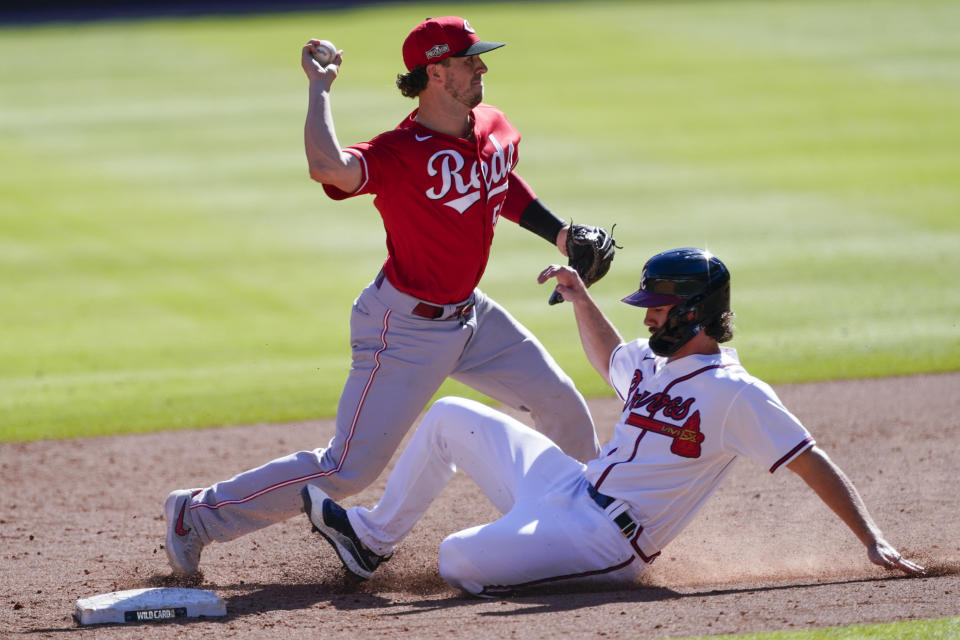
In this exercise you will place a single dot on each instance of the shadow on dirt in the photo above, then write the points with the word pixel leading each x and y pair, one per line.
pixel 347 593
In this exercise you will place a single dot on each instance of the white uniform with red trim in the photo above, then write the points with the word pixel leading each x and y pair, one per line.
pixel 683 425
pixel 419 322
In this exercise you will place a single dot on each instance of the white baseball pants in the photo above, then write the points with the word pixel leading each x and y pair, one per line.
pixel 551 530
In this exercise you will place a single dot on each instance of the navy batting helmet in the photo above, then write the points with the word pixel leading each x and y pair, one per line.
pixel 693 280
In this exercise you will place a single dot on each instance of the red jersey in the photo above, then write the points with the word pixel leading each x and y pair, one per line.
pixel 440 198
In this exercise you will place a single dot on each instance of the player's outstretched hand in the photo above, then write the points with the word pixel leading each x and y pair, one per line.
pixel 315 70
pixel 569 283
pixel 883 554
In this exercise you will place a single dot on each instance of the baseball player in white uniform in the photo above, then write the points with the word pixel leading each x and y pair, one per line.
pixel 690 410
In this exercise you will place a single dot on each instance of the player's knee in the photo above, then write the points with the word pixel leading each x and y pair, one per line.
pixel 444 405
pixel 453 407
pixel 353 477
pixel 456 567
pixel 448 412
pixel 361 479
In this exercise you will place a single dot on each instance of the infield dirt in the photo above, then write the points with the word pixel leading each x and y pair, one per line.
pixel 81 517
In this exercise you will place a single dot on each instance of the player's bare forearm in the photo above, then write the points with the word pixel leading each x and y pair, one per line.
pixel 597 334
pixel 327 162
pixel 837 491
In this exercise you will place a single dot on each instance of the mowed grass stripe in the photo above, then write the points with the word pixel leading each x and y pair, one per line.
pixel 155 212
pixel 943 629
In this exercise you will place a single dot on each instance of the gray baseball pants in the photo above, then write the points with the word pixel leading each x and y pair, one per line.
pixel 399 361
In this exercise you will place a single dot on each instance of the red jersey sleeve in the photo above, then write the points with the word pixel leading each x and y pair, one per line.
pixel 335 193
pixel 519 195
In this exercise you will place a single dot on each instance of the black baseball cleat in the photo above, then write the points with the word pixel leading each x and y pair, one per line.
pixel 330 520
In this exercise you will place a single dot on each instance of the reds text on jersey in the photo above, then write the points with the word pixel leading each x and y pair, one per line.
pixel 440 198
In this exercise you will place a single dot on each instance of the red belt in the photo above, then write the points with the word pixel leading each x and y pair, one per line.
pixel 433 312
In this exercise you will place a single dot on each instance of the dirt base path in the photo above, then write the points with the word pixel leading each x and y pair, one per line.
pixel 82 517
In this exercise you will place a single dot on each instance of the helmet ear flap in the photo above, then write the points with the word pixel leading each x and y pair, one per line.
pixel 688 318
pixel 682 324
pixel 716 303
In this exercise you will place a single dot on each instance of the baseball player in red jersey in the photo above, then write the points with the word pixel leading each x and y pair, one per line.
pixel 441 180
pixel 690 410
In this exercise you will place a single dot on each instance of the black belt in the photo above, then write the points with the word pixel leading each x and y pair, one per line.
pixel 627 524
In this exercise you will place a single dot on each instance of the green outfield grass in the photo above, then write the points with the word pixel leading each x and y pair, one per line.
pixel 165 262
pixel 945 629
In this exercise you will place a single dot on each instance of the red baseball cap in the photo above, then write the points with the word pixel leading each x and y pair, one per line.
pixel 436 39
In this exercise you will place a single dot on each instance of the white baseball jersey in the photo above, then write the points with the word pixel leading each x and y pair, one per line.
pixel 683 424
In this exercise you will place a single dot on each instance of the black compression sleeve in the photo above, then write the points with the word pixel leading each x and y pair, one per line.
pixel 541 221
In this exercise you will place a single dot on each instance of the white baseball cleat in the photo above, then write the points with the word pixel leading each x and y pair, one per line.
pixel 183 544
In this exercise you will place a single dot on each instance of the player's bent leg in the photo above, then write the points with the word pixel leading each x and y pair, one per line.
pixel 507 362
pixel 560 411
pixel 397 367
pixel 421 472
pixel 389 384
pixel 458 569
pixel 271 493
pixel 559 539
pixel 505 458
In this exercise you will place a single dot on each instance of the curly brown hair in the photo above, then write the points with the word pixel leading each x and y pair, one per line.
pixel 412 82
pixel 720 327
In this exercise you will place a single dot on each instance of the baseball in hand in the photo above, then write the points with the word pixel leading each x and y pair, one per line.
pixel 326 52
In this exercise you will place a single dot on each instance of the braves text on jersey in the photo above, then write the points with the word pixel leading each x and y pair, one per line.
pixel 683 424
